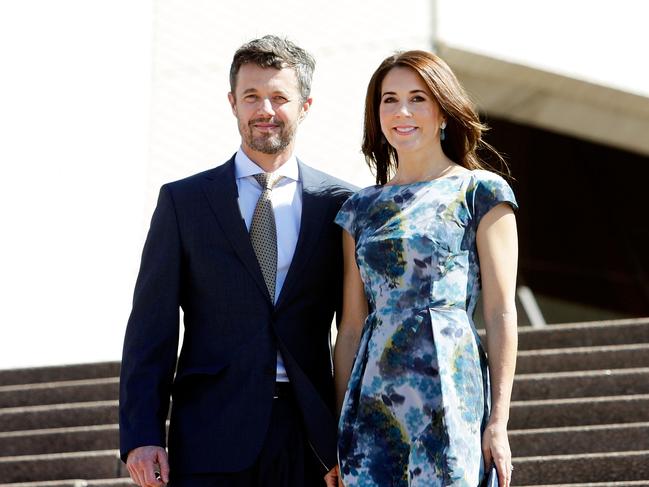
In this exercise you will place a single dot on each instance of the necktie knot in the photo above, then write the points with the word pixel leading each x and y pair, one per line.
pixel 267 179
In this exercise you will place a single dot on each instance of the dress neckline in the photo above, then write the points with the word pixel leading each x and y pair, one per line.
pixel 416 183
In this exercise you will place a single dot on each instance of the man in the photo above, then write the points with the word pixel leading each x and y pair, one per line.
pixel 250 252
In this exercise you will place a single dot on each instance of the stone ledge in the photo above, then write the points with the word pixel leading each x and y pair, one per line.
pixel 583 358
pixel 61 466
pixel 58 415
pixel 121 482
pixel 589 467
pixel 591 383
pixel 59 373
pixel 59 440
pixel 580 439
pixel 59 392
pixel 552 413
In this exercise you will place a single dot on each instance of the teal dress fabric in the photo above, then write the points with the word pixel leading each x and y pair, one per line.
pixel 418 397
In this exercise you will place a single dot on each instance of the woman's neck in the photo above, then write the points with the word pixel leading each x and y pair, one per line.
pixel 422 166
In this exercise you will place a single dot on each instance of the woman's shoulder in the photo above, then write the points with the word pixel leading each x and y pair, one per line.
pixel 485 176
pixel 363 193
pixel 488 188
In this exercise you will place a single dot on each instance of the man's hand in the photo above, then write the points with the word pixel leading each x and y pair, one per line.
pixel 144 462
pixel 333 479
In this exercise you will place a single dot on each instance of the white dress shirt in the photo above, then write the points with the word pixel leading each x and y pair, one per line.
pixel 286 198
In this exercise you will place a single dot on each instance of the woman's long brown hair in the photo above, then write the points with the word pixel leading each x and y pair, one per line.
pixel 463 126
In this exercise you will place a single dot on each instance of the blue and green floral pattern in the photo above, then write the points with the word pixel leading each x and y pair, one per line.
pixel 418 396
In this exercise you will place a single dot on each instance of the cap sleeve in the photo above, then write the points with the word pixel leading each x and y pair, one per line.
pixel 489 190
pixel 346 216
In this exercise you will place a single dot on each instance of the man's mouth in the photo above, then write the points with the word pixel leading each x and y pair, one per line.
pixel 264 126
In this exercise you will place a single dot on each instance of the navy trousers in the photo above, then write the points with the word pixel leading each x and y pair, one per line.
pixel 286 458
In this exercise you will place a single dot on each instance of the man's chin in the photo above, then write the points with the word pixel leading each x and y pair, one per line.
pixel 271 150
pixel 268 147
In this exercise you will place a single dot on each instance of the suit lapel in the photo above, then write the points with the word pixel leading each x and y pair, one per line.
pixel 220 188
pixel 314 208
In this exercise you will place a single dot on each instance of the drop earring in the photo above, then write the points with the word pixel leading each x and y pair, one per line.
pixel 442 133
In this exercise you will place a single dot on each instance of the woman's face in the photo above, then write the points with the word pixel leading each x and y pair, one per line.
pixel 410 116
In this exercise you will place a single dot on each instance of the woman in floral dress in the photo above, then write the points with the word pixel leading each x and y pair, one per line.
pixel 419 405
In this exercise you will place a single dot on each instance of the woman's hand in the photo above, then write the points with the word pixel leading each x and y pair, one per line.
pixel 496 451
pixel 333 478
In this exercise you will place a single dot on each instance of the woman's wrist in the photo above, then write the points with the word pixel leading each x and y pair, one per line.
pixel 497 422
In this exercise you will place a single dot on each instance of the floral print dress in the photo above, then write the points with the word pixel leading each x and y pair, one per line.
pixel 418 397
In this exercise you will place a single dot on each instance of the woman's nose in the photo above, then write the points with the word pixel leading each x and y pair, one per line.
pixel 403 110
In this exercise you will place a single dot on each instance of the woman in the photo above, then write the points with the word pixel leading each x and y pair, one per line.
pixel 418 247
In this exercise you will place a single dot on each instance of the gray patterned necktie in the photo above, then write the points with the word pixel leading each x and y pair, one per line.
pixel 263 233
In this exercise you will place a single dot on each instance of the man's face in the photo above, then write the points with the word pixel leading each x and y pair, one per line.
pixel 268 107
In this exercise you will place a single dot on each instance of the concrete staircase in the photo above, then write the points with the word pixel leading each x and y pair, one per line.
pixel 580 410
pixel 580 414
pixel 58 427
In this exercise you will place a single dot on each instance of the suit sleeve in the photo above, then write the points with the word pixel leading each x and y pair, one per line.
pixel 151 340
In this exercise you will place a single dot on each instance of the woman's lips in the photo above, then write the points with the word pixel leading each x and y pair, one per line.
pixel 405 130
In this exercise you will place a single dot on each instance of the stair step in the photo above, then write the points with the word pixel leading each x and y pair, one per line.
pixel 551 413
pixel 581 383
pixel 58 415
pixel 60 466
pixel 630 483
pixel 583 358
pixel 121 482
pixel 59 373
pixel 580 439
pixel 59 392
pixel 591 467
pixel 59 440
pixel 615 332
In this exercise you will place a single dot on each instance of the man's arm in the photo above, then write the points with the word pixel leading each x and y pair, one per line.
pixel 151 342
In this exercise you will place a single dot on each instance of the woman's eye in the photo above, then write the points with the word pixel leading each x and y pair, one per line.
pixel 418 98
pixel 389 99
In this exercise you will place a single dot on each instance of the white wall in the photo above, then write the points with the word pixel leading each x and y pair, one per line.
pixel 74 119
pixel 193 127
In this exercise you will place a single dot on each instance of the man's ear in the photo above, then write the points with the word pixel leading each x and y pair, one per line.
pixel 305 108
pixel 233 103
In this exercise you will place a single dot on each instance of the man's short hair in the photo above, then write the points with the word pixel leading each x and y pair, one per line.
pixel 275 52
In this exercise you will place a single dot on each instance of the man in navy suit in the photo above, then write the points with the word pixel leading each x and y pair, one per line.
pixel 252 389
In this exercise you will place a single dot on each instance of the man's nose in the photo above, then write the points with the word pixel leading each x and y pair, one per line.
pixel 266 107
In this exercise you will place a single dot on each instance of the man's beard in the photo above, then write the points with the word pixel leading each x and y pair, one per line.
pixel 270 143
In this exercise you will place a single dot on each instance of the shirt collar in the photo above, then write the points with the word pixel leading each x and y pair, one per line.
pixel 244 167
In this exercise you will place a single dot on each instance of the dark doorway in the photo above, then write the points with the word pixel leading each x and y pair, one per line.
pixel 583 223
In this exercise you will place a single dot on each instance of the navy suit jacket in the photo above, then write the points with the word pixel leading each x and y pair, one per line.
pixel 198 257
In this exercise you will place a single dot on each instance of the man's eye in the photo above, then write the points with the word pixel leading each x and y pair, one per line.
pixel 279 99
pixel 250 98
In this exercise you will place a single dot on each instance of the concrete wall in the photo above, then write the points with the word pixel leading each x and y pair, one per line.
pixel 575 67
